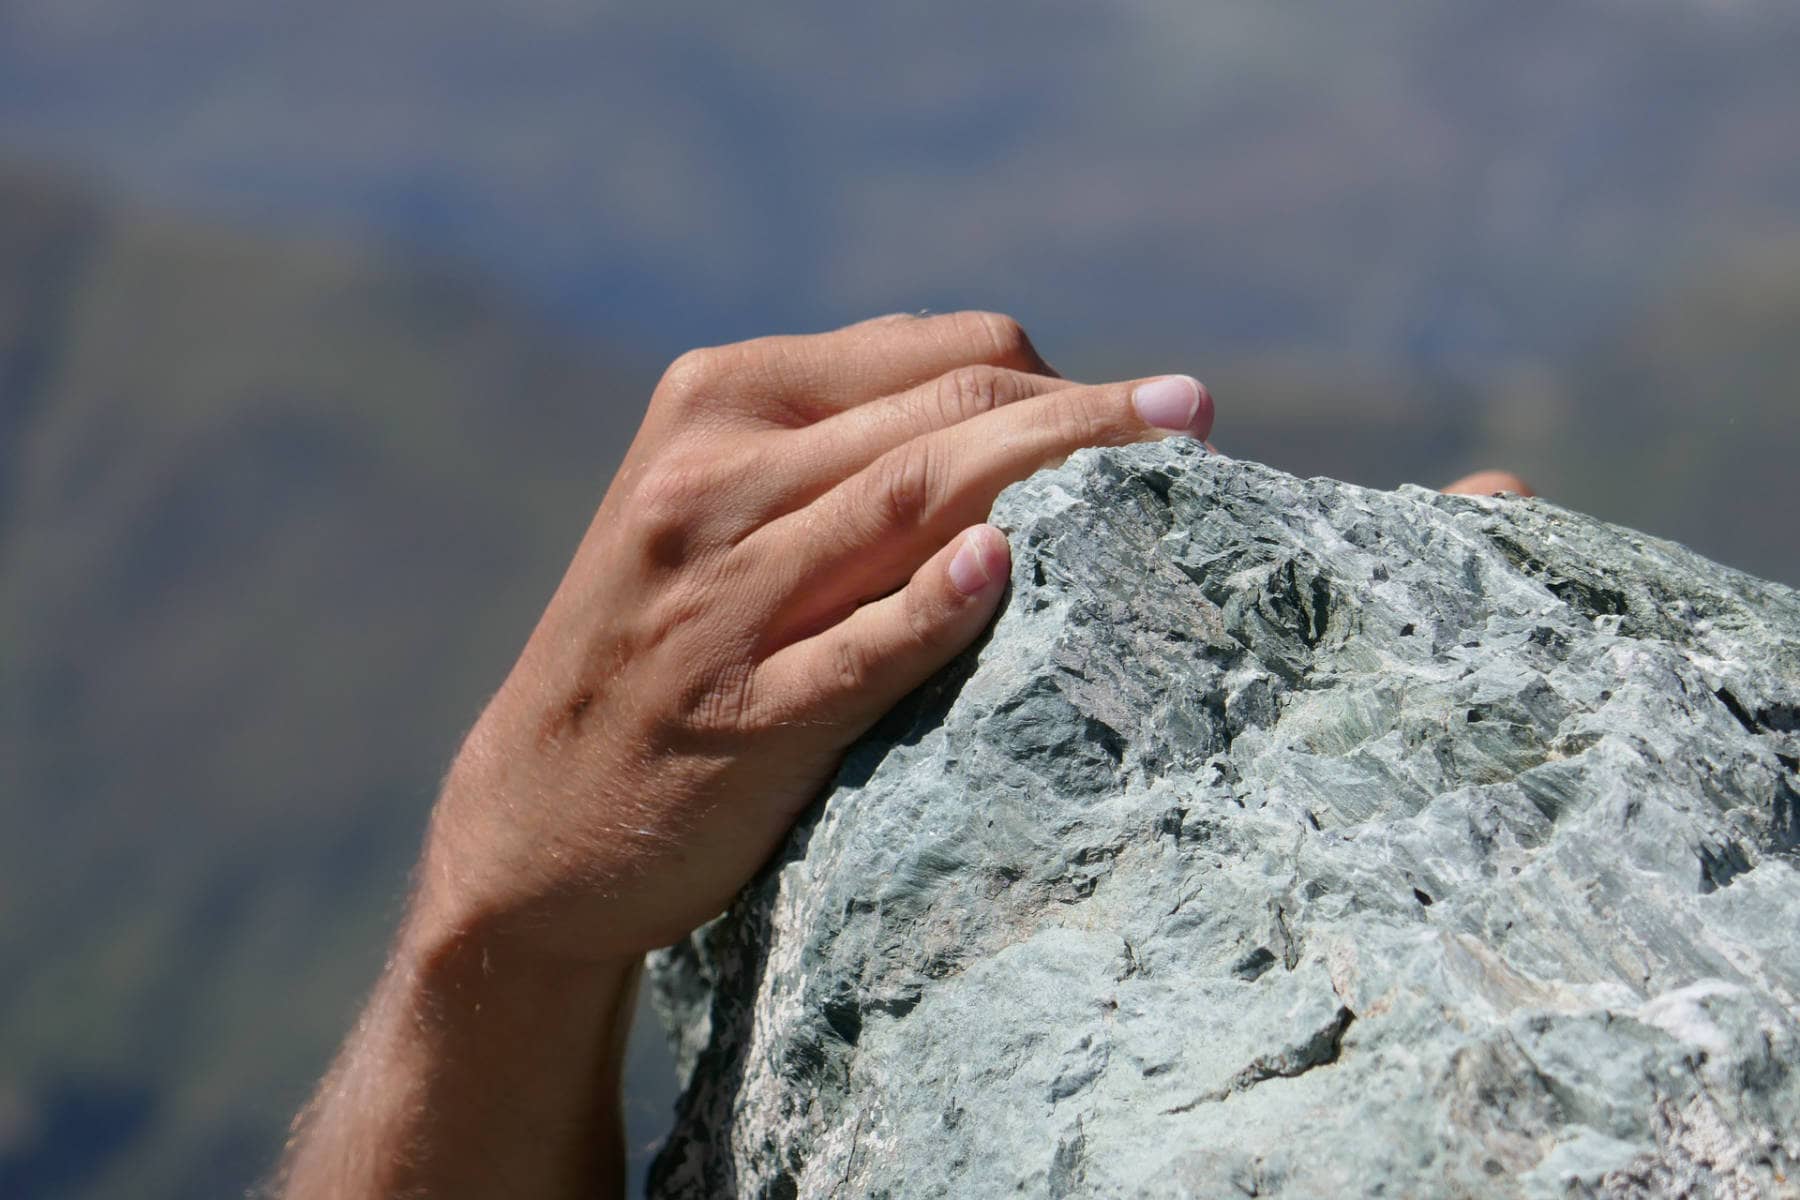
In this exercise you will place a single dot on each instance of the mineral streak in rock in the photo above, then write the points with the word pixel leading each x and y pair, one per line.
pixel 1285 838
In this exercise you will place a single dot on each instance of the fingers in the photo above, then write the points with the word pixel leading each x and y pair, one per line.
pixel 834 449
pixel 793 381
pixel 892 354
pixel 1489 483
pixel 855 671
pixel 864 536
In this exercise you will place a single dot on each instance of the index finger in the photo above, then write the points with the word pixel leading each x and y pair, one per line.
pixel 815 376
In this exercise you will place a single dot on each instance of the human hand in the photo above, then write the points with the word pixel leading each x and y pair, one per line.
pixel 1489 483
pixel 791 545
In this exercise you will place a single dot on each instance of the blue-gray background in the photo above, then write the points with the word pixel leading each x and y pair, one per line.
pixel 322 326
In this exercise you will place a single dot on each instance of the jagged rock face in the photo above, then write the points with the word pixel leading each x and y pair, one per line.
pixel 1285 838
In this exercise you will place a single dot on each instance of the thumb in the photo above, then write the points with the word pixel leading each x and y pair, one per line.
pixel 854 672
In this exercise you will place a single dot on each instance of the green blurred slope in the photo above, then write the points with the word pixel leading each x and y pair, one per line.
pixel 275 518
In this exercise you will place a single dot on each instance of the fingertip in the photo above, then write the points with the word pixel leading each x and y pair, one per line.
pixel 1176 403
pixel 1490 483
pixel 981 562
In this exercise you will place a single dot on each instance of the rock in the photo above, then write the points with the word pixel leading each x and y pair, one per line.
pixel 1285 838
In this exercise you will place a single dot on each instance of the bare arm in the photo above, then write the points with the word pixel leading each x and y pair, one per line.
pixel 792 544
pixel 473 1071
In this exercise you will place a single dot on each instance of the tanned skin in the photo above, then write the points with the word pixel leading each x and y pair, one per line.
pixel 794 541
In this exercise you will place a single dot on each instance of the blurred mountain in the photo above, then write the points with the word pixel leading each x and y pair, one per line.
pixel 1679 417
pixel 275 518
pixel 1685 420
pixel 276 513
pixel 1398 182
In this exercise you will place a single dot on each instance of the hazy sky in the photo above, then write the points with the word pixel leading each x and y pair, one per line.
pixel 1479 178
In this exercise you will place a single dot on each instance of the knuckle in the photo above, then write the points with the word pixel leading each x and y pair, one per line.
pixel 675 485
pixel 1079 422
pixel 907 484
pixel 709 693
pixel 761 713
pixel 669 502
pixel 1004 337
pixel 921 615
pixel 970 391
pixel 725 705
pixel 693 375
pixel 849 666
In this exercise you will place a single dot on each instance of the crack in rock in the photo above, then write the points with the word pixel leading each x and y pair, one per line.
pixel 1319 1050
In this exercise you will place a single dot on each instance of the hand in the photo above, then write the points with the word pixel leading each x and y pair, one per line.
pixel 1489 483
pixel 790 546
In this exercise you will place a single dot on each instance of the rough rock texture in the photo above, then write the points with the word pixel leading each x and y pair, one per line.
pixel 1286 838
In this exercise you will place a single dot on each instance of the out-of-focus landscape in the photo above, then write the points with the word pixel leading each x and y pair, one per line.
pixel 322 327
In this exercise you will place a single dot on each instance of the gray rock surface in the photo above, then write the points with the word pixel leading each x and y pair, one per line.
pixel 1285 838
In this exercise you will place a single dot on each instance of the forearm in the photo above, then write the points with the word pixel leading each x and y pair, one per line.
pixel 476 1070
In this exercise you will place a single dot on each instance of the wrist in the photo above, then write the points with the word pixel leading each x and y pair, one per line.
pixel 480 972
pixel 503 866
pixel 492 876
pixel 454 958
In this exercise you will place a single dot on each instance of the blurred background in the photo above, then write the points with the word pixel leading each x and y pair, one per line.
pixel 322 327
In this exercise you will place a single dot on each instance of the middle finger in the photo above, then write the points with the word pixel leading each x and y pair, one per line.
pixel 819 457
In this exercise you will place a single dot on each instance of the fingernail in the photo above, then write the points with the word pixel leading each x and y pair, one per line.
pixel 973 565
pixel 1171 402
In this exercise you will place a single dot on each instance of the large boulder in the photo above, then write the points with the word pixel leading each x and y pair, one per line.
pixel 1285 838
